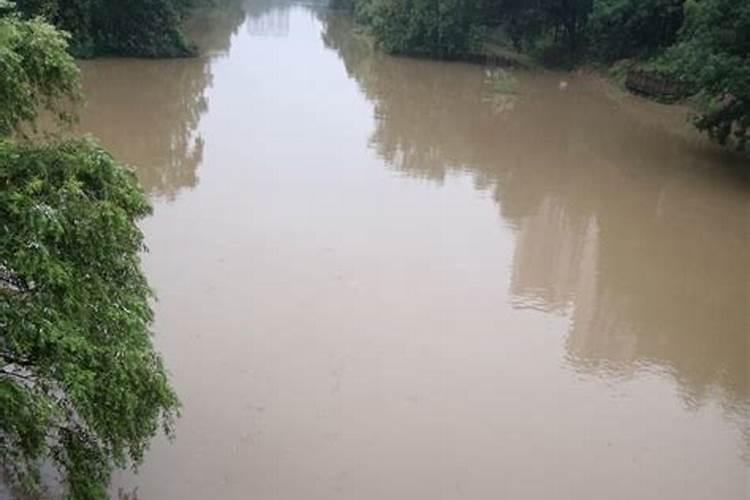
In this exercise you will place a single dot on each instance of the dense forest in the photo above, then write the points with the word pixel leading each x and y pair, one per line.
pixel 143 28
pixel 701 48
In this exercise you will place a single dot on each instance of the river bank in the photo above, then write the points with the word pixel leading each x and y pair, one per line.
pixel 673 39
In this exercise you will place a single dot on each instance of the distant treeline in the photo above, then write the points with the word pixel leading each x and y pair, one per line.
pixel 701 45
pixel 142 28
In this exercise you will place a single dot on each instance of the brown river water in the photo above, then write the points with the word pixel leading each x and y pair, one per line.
pixel 382 278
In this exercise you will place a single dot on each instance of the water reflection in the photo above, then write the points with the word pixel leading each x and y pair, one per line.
pixel 211 29
pixel 156 125
pixel 271 18
pixel 268 18
pixel 626 221
pixel 157 105
pixel 123 494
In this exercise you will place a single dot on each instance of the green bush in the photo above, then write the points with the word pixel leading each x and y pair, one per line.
pixel 143 28
pixel 446 29
pixel 81 386
pixel 712 56
pixel 621 29
pixel 35 72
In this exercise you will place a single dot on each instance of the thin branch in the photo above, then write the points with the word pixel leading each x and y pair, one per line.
pixel 25 377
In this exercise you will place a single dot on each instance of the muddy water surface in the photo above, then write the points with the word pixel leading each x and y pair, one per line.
pixel 381 278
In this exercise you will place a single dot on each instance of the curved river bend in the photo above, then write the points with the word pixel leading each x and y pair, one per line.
pixel 380 278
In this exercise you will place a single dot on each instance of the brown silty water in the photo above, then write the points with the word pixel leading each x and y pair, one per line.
pixel 387 278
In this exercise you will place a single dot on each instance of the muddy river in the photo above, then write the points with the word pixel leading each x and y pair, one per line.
pixel 387 278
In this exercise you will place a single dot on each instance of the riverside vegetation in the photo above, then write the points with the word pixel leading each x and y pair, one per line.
pixel 703 46
pixel 81 387
pixel 142 28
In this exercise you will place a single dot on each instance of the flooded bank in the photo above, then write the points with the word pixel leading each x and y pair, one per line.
pixel 390 278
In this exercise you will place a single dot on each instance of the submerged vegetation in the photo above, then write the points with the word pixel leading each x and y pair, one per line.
pixel 701 47
pixel 81 387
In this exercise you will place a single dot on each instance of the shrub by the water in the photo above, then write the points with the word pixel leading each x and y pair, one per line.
pixel 702 46
pixel 81 385
pixel 143 28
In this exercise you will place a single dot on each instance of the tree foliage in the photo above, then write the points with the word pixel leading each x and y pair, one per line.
pixel 438 28
pixel 144 28
pixel 80 382
pixel 712 56
pixel 35 71
pixel 81 386
pixel 702 44
pixel 629 28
